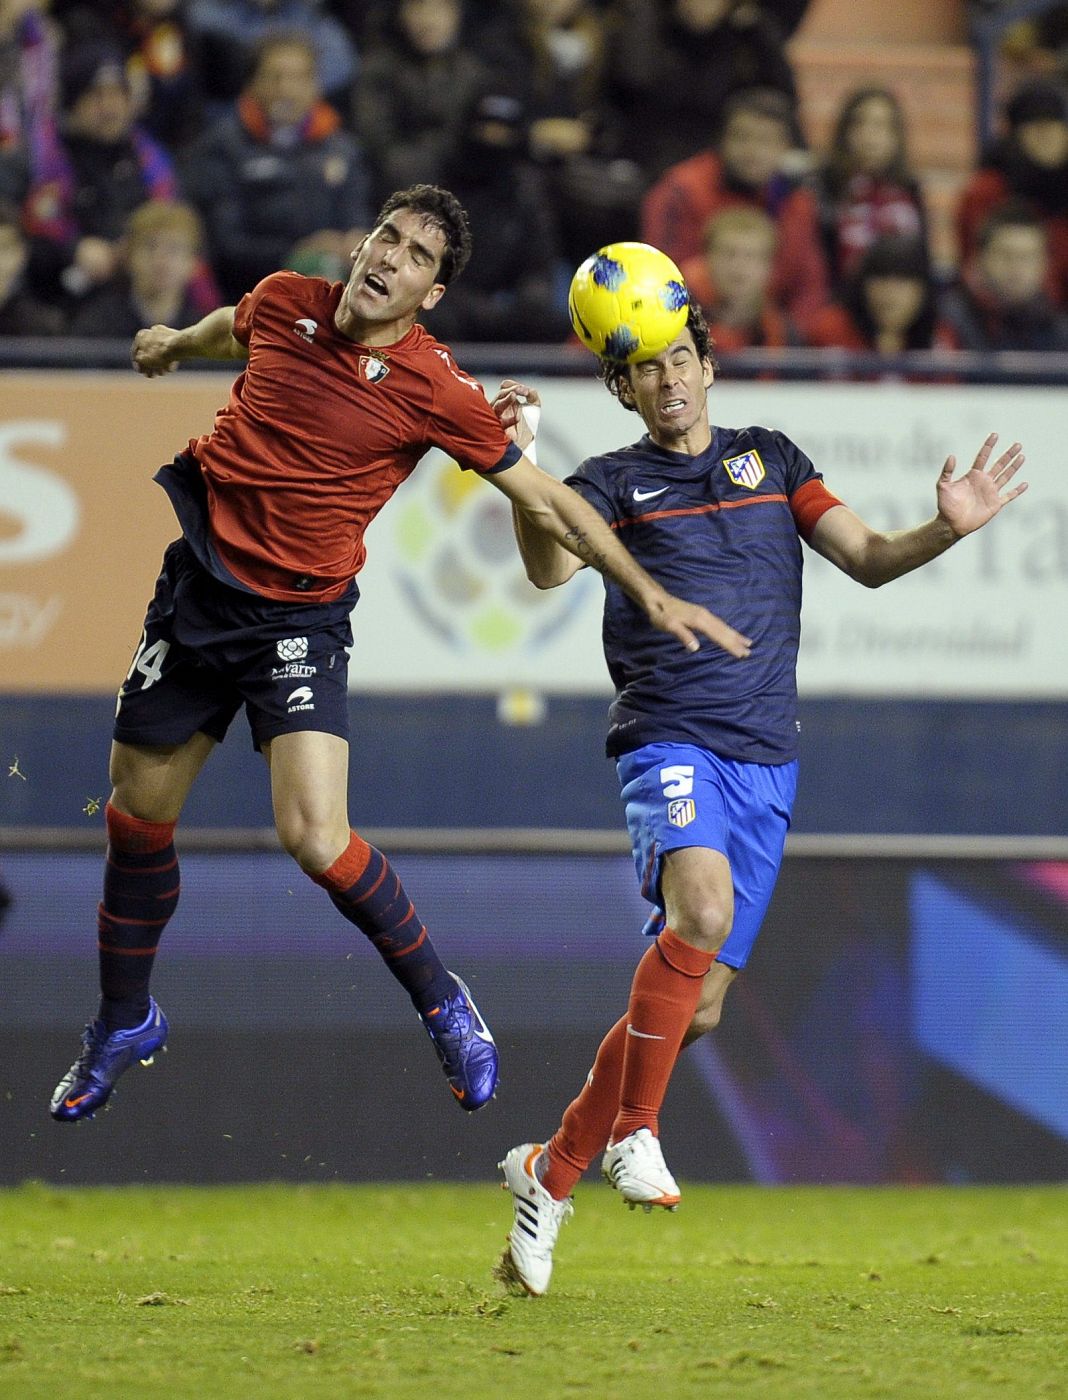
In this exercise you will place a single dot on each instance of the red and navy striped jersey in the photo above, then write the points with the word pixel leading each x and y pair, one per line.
pixel 720 529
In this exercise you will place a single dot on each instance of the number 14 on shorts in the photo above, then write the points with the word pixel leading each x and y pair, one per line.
pixel 148 662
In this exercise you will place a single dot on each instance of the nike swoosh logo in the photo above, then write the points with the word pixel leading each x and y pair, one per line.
pixel 647 495
pixel 643 1036
pixel 73 1103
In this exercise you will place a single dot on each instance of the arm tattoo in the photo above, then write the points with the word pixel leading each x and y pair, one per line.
pixel 577 540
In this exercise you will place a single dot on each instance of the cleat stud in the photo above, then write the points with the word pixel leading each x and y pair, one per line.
pixel 147 1062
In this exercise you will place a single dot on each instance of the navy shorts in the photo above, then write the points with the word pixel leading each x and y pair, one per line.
pixel 681 795
pixel 207 649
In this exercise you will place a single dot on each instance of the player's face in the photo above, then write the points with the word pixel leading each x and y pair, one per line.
pixel 395 270
pixel 671 391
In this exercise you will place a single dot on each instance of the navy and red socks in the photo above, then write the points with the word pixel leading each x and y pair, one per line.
pixel 367 890
pixel 141 888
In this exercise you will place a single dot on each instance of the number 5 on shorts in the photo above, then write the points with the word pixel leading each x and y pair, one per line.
pixel 677 781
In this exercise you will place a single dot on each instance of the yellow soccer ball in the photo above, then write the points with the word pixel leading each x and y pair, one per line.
pixel 628 302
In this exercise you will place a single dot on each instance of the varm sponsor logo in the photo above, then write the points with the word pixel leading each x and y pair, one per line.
pixel 294 671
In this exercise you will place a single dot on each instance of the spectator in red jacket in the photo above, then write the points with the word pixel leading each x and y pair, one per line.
pixel 866 188
pixel 1030 165
pixel 747 170
pixel 890 304
pixel 732 282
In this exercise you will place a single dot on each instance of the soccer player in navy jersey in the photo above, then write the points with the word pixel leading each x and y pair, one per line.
pixel 705 748
pixel 342 394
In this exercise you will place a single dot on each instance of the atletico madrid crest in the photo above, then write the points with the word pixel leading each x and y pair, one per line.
pixel 746 470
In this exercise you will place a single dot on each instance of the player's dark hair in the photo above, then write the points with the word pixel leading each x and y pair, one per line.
pixel 616 373
pixel 441 209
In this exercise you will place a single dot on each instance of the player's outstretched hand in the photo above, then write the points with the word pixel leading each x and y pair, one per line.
pixel 969 502
pixel 689 622
pixel 153 351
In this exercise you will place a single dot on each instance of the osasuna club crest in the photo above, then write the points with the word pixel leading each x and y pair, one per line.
pixel 372 368
pixel 746 470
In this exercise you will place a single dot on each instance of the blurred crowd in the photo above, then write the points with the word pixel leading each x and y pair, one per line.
pixel 158 157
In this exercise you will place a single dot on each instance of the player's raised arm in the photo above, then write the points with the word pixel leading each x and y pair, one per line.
pixel 964 505
pixel 159 349
pixel 548 564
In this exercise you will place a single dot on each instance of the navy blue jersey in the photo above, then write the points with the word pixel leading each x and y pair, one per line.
pixel 719 529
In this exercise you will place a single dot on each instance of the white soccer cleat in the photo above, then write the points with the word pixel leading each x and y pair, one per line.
pixel 635 1166
pixel 528 1260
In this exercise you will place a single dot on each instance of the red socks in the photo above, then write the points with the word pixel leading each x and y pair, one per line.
pixel 588 1120
pixel 663 999
pixel 633 1066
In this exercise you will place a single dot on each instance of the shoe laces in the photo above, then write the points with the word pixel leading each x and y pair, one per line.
pixel 456 1019
pixel 551 1215
pixel 93 1039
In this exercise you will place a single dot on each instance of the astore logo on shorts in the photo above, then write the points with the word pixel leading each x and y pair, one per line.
pixel 300 699
pixel 293 648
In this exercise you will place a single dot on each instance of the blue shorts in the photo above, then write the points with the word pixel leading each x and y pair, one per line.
pixel 207 649
pixel 679 795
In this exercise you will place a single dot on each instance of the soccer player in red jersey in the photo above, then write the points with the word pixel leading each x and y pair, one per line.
pixel 706 750
pixel 342 394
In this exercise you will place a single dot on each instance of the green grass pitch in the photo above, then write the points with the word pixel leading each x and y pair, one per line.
pixel 339 1291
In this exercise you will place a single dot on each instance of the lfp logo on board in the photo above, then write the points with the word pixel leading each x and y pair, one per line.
pixel 456 562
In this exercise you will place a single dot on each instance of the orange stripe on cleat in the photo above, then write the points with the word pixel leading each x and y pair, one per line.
pixel 73 1103
pixel 457 1093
